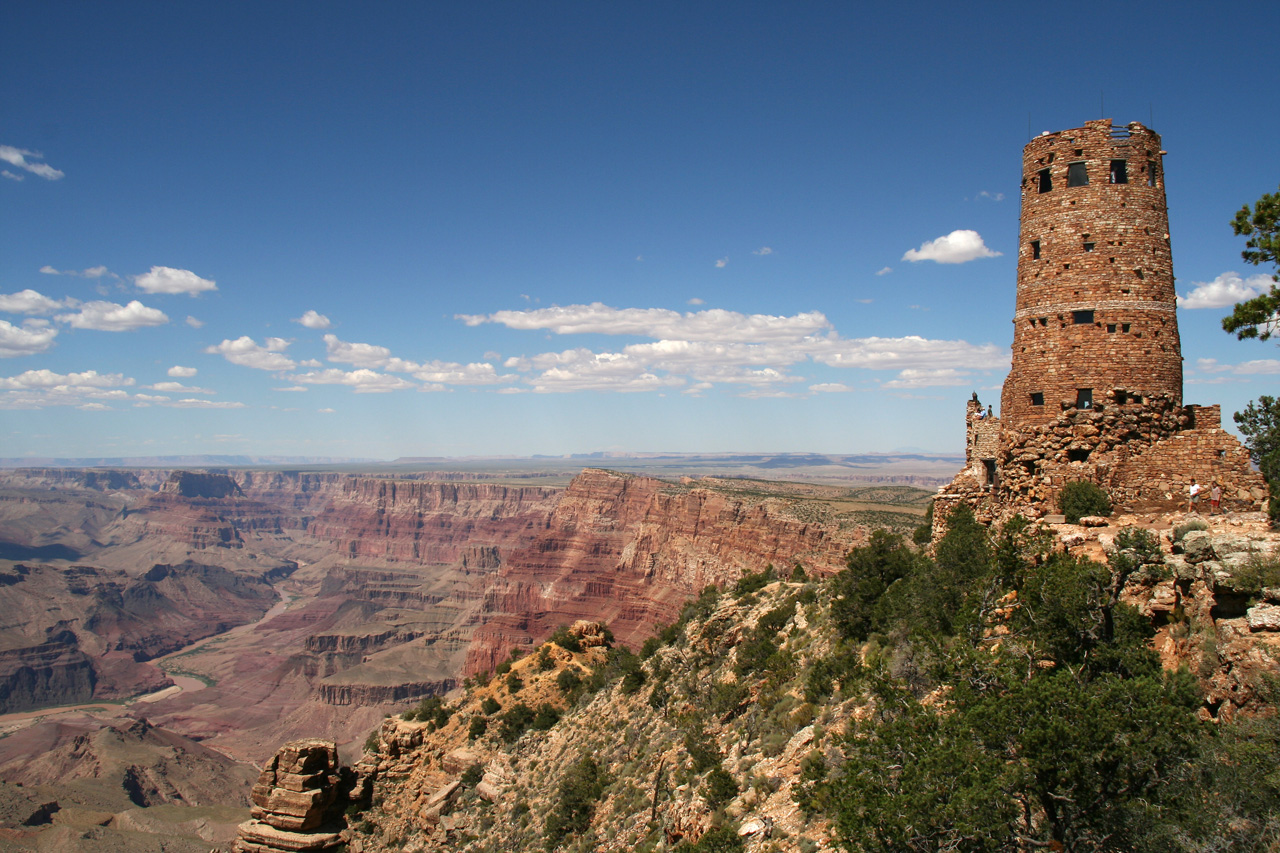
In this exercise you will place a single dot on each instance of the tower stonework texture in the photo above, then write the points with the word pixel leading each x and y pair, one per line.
pixel 1095 386
pixel 1095 310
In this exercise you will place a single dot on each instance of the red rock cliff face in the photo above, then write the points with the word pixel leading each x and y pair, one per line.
pixel 628 551
pixel 426 522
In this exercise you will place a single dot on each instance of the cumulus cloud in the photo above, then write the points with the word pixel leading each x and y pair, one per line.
pixel 452 373
pixel 18 157
pixel 925 378
pixel 957 247
pixel 711 325
pixel 763 250
pixel 1226 290
pixel 30 302
pixel 721 263
pixel 194 403
pixel 363 381
pixel 314 320
pixel 170 280
pixel 292 388
pixel 29 338
pixel 991 196
pixel 193 322
pixel 35 389
pixel 178 387
pixel 912 352
pixel 1256 367
pixel 180 372
pixel 91 272
pixel 246 353
pixel 830 388
pixel 110 317
pixel 44 378
pixel 366 355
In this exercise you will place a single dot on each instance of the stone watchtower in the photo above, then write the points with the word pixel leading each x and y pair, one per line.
pixel 1095 388
pixel 1094 317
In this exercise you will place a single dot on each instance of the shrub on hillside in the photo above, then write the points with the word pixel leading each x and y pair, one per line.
pixel 579 790
pixel 1081 498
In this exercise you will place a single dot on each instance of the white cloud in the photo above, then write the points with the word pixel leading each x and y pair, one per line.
pixel 43 378
pixel 911 352
pixel 722 263
pixel 1226 290
pixel 292 388
pixel 711 325
pixel 91 272
pixel 193 403
pixel 11 176
pixel 314 320
pixel 694 300
pixel 180 372
pixel 990 195
pixel 763 250
pixel 18 157
pixel 326 411
pixel 452 373
pixel 954 248
pixel 110 317
pixel 363 381
pixel 830 388
pixel 178 387
pixel 1256 367
pixel 926 378
pixel 30 302
pixel 884 270
pixel 366 355
pixel 244 352
pixel 27 339
pixel 170 280
pixel 193 322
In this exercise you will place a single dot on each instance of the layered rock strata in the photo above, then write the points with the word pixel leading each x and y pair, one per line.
pixel 298 801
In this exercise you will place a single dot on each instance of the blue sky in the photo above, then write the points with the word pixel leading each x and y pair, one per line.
pixel 388 229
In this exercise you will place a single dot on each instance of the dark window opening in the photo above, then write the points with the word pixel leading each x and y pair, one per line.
pixel 1151 173
pixel 990 467
pixel 1111 328
pixel 1088 247
pixel 1044 321
pixel 1120 397
pixel 1135 398
pixel 1037 398
pixel 1046 183
pixel 1081 317
pixel 1035 250
pixel 1029 466
pixel 1119 171
pixel 1077 175
pixel 1079 152
pixel 1222 454
pixel 1084 398
pixel 1078 454
pixel 1124 327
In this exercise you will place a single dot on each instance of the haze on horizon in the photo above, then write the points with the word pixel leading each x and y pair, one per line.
pixel 500 230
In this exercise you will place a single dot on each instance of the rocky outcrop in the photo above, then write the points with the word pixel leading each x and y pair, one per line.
pixel 298 801
pixel 55 672
pixel 195 484
pixel 629 551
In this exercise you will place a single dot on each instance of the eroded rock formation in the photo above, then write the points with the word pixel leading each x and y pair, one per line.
pixel 298 801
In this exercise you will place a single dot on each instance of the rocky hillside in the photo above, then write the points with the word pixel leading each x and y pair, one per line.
pixel 1008 691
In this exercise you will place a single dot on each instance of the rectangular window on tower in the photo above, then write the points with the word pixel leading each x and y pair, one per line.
pixel 1037 398
pixel 1081 317
pixel 1151 173
pixel 1077 175
pixel 1119 171
pixel 1035 250
pixel 1084 398
pixel 1046 182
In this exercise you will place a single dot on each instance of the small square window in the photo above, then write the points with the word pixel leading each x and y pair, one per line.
pixel 1077 175
pixel 1121 397
pixel 1081 317
pixel 1124 327
pixel 1111 328
pixel 1088 247
pixel 1084 398
pixel 1037 398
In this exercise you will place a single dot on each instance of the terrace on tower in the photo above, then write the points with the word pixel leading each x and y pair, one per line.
pixel 1095 388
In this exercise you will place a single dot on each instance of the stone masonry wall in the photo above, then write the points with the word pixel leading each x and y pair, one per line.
pixel 1095 302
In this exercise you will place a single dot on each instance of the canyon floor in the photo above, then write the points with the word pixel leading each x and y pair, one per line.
pixel 163 631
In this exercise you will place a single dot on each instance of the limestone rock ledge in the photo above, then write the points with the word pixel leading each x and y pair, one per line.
pixel 298 801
